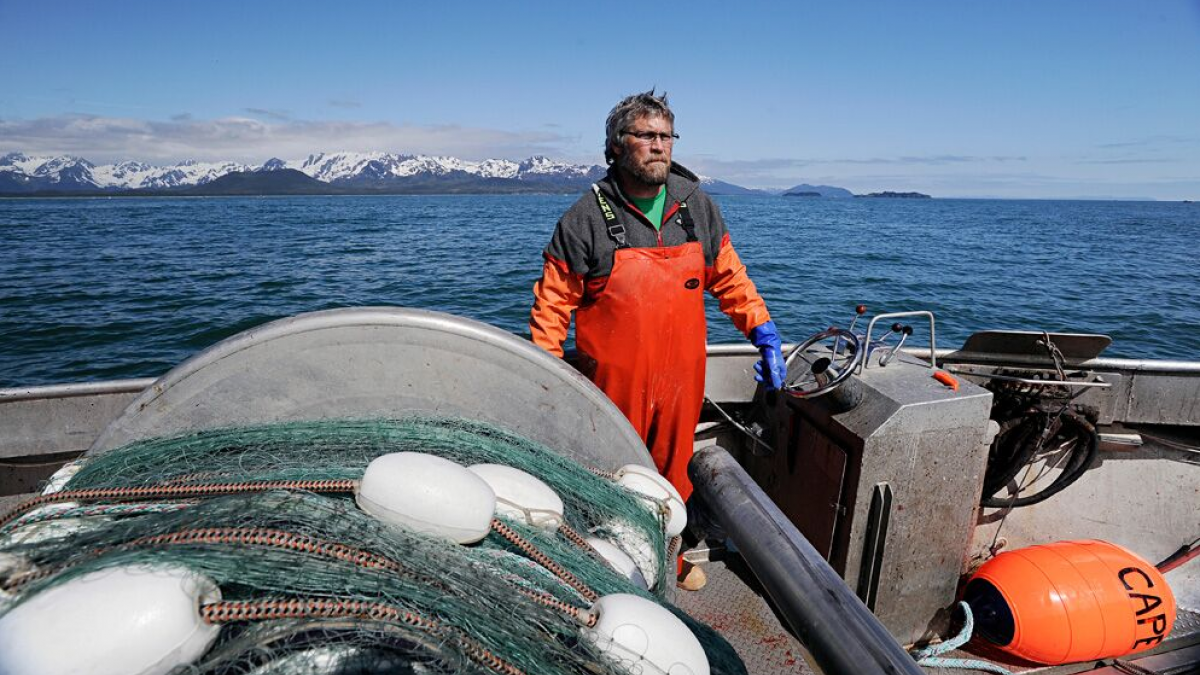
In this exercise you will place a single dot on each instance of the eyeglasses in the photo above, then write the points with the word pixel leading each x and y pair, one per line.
pixel 650 136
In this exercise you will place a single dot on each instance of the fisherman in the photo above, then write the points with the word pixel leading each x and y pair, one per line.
pixel 631 260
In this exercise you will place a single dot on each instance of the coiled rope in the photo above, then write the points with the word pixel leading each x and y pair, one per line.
pixel 932 655
pixel 300 543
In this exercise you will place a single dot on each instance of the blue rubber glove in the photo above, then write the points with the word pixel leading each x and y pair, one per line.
pixel 771 370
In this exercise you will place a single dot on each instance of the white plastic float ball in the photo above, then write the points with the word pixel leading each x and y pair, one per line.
pixel 136 620
pixel 636 544
pixel 522 496
pixel 58 480
pixel 619 561
pixel 644 637
pixel 647 481
pixel 52 528
pixel 428 494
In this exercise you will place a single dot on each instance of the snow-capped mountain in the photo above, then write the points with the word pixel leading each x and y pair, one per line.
pixel 56 173
pixel 77 174
pixel 347 167
pixel 22 173
pixel 542 166
pixel 343 172
pixel 714 186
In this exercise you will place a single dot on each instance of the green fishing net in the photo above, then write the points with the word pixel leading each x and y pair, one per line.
pixel 340 449
pixel 488 599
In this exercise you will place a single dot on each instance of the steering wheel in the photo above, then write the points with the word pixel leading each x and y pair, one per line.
pixel 823 370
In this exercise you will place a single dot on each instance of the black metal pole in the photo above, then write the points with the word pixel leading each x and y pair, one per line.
pixel 842 635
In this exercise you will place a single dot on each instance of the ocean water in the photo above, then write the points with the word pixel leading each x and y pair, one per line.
pixel 94 289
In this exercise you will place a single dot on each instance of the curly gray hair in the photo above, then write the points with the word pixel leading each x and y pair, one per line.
pixel 631 108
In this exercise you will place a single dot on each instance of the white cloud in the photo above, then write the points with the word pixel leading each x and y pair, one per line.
pixel 244 139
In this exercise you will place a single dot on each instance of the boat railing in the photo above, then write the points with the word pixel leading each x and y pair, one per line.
pixel 74 389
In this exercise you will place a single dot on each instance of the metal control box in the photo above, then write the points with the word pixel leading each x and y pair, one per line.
pixel 887 491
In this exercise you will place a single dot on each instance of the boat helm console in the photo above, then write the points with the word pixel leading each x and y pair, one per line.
pixel 879 464
pixel 902 465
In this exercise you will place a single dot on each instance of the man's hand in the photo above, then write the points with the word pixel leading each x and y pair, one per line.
pixel 771 370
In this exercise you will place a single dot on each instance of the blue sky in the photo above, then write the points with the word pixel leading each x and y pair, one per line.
pixel 1012 99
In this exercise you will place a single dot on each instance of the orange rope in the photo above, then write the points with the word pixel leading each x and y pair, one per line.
pixel 575 538
pixel 254 536
pixel 580 614
pixel 673 546
pixel 257 536
pixel 133 494
pixel 542 559
pixel 194 477
pixel 300 608
pixel 16 581
pixel 250 536
pixel 602 473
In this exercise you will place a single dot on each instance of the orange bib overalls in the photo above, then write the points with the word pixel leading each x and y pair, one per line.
pixel 647 335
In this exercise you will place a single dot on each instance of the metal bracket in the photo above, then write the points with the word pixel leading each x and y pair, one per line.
pixel 894 315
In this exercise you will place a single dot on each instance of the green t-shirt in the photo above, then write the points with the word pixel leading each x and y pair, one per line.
pixel 653 207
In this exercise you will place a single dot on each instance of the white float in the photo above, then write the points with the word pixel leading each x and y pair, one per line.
pixel 339 659
pixel 644 637
pixel 619 561
pixel 637 545
pixel 648 482
pixel 58 480
pixel 137 620
pixel 36 530
pixel 522 496
pixel 428 494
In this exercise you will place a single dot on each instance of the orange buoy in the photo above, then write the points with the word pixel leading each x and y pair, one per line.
pixel 1071 601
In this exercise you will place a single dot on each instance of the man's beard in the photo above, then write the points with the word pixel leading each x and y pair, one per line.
pixel 650 173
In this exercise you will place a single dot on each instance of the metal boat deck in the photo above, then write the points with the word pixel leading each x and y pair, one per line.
pixel 734 604
pixel 1155 403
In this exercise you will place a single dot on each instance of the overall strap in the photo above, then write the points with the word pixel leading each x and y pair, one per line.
pixel 685 220
pixel 616 229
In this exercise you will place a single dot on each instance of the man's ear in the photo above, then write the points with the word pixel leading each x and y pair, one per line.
pixel 617 149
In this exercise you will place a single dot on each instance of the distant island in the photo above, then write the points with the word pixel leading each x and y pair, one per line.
pixel 827 191
pixel 831 192
pixel 895 195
